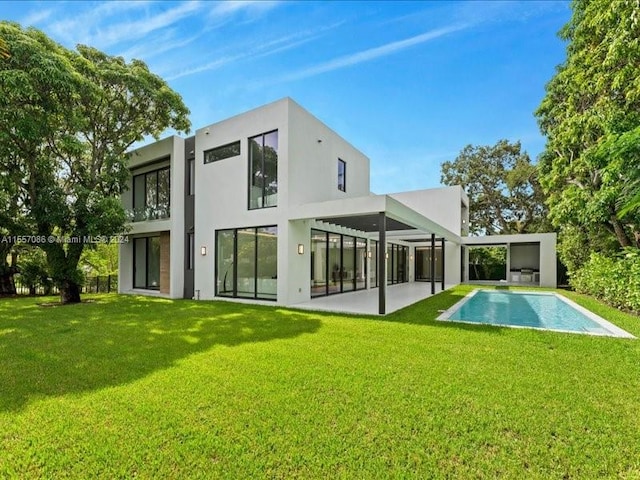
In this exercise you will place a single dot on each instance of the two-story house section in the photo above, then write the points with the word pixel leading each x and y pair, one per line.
pixel 273 206
pixel 153 259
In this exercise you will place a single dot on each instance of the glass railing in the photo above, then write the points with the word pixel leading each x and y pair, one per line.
pixel 154 212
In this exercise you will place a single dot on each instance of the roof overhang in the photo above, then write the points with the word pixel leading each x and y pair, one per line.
pixel 363 214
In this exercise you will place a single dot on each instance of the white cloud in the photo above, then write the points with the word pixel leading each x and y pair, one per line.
pixel 93 28
pixel 36 17
pixel 263 49
pixel 371 54
pixel 226 8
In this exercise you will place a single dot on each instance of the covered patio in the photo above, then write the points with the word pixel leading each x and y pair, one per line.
pixel 365 302
pixel 380 218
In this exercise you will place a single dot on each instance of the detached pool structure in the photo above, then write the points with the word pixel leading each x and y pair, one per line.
pixel 539 310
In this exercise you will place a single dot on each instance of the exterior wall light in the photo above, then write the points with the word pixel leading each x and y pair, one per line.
pixel 369 254
pixel 300 249
pixel 203 250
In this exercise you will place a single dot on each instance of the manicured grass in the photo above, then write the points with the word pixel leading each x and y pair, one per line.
pixel 152 388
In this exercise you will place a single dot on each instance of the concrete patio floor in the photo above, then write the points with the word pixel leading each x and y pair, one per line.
pixel 366 301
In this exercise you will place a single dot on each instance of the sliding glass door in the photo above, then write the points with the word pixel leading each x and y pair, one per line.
pixel 247 263
pixel 338 263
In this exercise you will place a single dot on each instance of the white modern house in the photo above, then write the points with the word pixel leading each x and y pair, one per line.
pixel 272 205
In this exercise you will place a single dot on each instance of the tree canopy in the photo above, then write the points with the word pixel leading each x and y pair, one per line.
pixel 590 114
pixel 502 186
pixel 67 118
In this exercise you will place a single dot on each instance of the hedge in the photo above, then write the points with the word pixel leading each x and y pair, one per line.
pixel 614 280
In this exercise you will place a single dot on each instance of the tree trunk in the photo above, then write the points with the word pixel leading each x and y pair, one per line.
pixel 618 229
pixel 69 292
pixel 7 285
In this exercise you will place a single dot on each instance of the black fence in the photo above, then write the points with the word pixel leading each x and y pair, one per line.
pixel 100 284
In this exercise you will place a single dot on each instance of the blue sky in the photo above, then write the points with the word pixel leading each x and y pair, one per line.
pixel 408 83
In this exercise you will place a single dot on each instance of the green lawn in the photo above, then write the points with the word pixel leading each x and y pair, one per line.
pixel 151 388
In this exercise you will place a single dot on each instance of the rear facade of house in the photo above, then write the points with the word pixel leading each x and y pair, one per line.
pixel 272 205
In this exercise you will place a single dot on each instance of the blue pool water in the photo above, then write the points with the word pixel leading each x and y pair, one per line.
pixel 532 310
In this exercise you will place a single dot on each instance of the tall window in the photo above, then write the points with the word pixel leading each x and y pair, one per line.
pixel 192 177
pixel 397 271
pixel 152 195
pixel 191 251
pixel 423 264
pixel 263 170
pixel 247 263
pixel 146 263
pixel 342 175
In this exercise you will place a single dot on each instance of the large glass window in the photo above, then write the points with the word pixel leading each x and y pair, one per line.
pixel 335 262
pixel 267 267
pixel 246 259
pixel 361 263
pixel 146 263
pixel 140 263
pixel 423 264
pixel 348 263
pixel 247 263
pixel 338 263
pixel 220 153
pixel 318 263
pixel 225 267
pixel 152 195
pixel 263 168
pixel 397 261
pixel 373 248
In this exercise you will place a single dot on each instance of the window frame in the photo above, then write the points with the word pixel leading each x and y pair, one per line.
pixel 256 256
pixel 262 163
pixel 147 241
pixel 342 186
pixel 235 143
pixel 146 176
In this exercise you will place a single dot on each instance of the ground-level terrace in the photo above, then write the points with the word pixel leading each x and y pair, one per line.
pixel 328 256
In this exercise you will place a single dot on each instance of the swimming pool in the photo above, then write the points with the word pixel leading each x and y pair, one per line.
pixel 542 310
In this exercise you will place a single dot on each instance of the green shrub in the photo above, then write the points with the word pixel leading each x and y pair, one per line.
pixel 614 280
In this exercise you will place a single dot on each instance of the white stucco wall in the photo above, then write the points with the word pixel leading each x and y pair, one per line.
pixel 307 171
pixel 442 205
pixel 221 189
pixel 314 150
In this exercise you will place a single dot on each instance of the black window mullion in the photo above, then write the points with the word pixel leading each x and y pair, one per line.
pixel 235 262
pixel 341 271
pixel 326 263
pixel 264 187
pixel 255 264
pixel 146 262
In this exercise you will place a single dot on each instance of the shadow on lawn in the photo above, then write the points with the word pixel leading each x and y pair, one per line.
pixel 78 348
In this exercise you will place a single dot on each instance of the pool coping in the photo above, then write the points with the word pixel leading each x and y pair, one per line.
pixel 614 330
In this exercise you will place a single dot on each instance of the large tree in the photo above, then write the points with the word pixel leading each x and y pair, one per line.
pixel 67 118
pixel 502 186
pixel 591 118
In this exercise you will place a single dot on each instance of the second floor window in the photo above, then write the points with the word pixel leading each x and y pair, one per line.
pixel 263 170
pixel 342 175
pixel 151 195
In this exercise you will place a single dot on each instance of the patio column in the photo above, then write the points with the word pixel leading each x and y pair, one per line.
pixel 507 273
pixel 433 263
pixel 443 265
pixel 382 264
